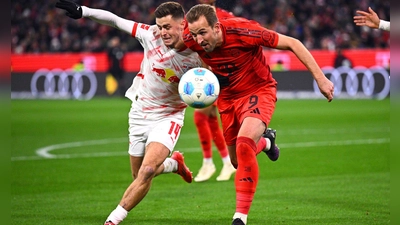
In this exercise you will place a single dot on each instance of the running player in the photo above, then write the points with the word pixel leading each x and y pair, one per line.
pixel 233 48
pixel 157 112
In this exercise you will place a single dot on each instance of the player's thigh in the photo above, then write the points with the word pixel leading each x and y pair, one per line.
pixel 230 125
pixel 252 128
pixel 155 155
pixel 139 130
pixel 166 132
pixel 260 105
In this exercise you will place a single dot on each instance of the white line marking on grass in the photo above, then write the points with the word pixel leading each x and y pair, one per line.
pixel 44 153
pixel 334 143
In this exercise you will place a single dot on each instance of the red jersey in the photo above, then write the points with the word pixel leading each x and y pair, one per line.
pixel 221 13
pixel 239 63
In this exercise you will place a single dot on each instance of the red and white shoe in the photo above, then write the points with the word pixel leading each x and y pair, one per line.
pixel 182 170
pixel 109 223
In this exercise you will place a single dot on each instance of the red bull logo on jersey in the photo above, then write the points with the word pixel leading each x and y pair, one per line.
pixel 166 75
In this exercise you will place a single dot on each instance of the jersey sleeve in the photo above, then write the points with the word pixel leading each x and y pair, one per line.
pixel 221 13
pixel 107 18
pixel 251 33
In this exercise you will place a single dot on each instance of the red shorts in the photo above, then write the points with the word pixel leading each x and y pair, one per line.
pixel 260 104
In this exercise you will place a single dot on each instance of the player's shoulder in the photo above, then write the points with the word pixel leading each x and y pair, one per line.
pixel 222 13
pixel 238 22
pixel 146 32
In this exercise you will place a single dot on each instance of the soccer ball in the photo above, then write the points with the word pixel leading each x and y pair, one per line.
pixel 199 88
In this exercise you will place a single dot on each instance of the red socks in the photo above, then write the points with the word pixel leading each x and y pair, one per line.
pixel 247 173
pixel 261 145
pixel 201 121
pixel 208 129
pixel 217 136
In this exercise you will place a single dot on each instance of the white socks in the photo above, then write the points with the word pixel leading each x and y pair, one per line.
pixel 242 216
pixel 117 215
pixel 208 161
pixel 268 144
pixel 170 165
pixel 226 160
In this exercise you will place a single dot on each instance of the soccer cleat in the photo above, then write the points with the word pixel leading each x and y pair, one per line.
pixel 273 152
pixel 109 223
pixel 182 170
pixel 226 172
pixel 205 172
pixel 237 221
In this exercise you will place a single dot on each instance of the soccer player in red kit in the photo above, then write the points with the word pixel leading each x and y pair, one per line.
pixel 233 48
pixel 209 130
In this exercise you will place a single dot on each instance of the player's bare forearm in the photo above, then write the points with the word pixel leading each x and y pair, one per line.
pixel 302 53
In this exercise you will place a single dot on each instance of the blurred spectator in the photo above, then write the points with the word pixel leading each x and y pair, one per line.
pixel 116 54
pixel 341 60
pixel 279 66
pixel 37 26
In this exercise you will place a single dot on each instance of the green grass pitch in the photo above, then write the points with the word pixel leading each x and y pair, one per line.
pixel 333 168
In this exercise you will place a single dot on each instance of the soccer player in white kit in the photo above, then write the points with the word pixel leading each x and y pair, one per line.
pixel 157 112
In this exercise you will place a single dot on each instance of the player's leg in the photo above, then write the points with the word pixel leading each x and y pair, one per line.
pixel 167 132
pixel 219 141
pixel 147 164
pixel 256 112
pixel 154 157
pixel 267 144
pixel 247 171
pixel 136 162
pixel 205 136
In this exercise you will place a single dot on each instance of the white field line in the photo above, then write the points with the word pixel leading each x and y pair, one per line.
pixel 44 153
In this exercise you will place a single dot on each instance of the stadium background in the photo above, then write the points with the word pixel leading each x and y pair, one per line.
pixel 39 27
pixel 68 158
pixel 43 38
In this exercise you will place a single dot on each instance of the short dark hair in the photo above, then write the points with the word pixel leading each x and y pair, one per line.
pixel 170 8
pixel 202 10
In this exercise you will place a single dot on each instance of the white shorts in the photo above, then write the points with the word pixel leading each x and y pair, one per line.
pixel 143 129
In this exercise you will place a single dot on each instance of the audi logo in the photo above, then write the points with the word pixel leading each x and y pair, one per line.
pixel 358 80
pixel 64 84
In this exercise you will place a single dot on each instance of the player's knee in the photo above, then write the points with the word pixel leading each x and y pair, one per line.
pixel 147 172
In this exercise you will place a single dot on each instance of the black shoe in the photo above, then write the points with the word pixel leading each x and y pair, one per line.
pixel 273 152
pixel 237 221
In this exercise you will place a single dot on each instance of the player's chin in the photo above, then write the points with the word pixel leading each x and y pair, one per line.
pixel 207 48
pixel 168 41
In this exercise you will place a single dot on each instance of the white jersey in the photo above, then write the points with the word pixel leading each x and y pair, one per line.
pixel 154 90
pixel 155 87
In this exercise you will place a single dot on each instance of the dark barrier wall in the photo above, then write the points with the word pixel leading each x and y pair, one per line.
pixel 359 82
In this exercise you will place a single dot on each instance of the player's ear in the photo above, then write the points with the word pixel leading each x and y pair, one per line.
pixel 217 27
pixel 183 24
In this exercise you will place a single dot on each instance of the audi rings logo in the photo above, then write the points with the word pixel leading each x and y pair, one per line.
pixel 58 83
pixel 371 82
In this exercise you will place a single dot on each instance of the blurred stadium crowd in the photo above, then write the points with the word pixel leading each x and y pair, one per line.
pixel 37 26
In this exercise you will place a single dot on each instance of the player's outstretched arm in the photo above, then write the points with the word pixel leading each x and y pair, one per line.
pixel 288 43
pixel 76 11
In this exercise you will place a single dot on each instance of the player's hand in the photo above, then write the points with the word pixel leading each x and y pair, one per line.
pixel 73 10
pixel 369 18
pixel 326 87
